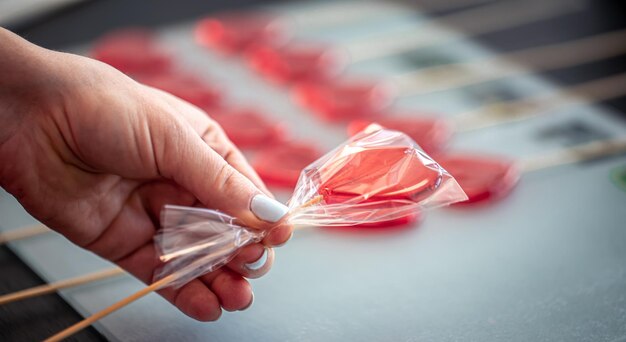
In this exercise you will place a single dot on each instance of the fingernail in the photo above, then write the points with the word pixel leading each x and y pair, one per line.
pixel 260 262
pixel 249 304
pixel 267 209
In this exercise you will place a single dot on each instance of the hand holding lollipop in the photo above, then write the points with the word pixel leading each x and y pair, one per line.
pixel 377 175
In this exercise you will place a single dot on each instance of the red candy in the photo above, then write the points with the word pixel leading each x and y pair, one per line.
pixel 249 129
pixel 482 178
pixel 294 63
pixel 131 51
pixel 186 87
pixel 374 175
pixel 235 32
pixel 432 134
pixel 341 100
pixel 281 164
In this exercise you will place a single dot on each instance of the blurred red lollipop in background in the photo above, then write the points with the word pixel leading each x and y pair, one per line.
pixel 248 128
pixel 342 100
pixel 431 134
pixel 301 62
pixel 233 33
pixel 132 51
pixel 483 178
pixel 280 164
pixel 185 86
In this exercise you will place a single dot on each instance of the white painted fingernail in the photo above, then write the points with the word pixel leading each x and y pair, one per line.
pixel 267 209
pixel 255 265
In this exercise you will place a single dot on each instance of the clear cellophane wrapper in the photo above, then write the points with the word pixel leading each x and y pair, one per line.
pixel 378 175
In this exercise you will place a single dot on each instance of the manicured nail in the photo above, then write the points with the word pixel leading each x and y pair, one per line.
pixel 260 262
pixel 267 209
pixel 249 304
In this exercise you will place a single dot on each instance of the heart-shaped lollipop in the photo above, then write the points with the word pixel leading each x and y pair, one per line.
pixel 483 178
pixel 132 51
pixel 294 63
pixel 232 33
pixel 378 175
pixel 341 100
pixel 248 128
pixel 280 165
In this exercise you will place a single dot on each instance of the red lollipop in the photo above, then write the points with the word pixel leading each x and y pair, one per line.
pixel 482 178
pixel 248 128
pixel 280 164
pixel 131 51
pixel 342 100
pixel 294 63
pixel 431 134
pixel 187 87
pixel 379 175
pixel 234 32
pixel 376 178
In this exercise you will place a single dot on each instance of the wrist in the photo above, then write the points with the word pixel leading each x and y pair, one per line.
pixel 27 82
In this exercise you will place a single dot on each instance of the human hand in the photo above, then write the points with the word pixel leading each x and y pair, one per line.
pixel 95 155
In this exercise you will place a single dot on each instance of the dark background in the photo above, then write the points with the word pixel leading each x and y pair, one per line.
pixel 38 318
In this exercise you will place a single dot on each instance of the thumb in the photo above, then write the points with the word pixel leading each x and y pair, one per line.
pixel 185 158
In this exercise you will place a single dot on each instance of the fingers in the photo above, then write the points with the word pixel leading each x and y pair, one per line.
pixel 181 155
pixel 215 137
pixel 233 291
pixel 202 298
pixel 279 236
pixel 253 261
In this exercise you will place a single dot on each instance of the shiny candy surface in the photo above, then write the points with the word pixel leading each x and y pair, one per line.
pixel 483 178
pixel 131 51
pixel 431 134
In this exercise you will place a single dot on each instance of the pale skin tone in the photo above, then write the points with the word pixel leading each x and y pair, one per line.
pixel 95 155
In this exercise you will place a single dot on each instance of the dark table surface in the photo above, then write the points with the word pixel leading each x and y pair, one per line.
pixel 40 317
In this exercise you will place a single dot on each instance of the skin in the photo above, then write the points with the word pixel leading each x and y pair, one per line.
pixel 95 155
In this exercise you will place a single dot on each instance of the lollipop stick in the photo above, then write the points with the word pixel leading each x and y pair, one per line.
pixel 99 315
pixel 63 284
pixel 122 303
pixel 516 110
pixel 23 233
pixel 561 55
pixel 593 150
pixel 476 21
pixel 315 200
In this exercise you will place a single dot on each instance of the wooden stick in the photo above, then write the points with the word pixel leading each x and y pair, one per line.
pixel 143 292
pixel 23 233
pixel 561 55
pixel 101 314
pixel 584 152
pixel 516 110
pixel 63 284
pixel 481 20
